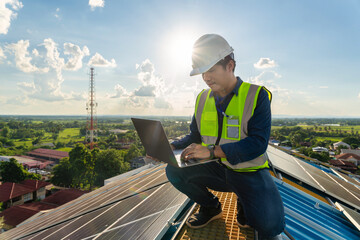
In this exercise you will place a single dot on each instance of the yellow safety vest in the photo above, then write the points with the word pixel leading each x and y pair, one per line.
pixel 238 113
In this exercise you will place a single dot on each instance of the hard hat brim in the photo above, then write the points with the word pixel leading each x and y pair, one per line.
pixel 197 71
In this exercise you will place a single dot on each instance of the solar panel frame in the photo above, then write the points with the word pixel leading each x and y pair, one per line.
pixel 353 216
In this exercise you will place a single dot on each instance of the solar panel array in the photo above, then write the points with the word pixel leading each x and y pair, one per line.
pixel 138 207
pixel 323 181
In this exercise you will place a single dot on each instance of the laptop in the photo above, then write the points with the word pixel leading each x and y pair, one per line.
pixel 156 144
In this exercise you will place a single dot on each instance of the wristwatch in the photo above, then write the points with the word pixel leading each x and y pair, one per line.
pixel 211 148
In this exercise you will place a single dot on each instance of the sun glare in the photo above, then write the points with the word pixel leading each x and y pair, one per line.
pixel 179 48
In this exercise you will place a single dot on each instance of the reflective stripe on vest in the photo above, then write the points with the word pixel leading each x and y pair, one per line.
pixel 239 111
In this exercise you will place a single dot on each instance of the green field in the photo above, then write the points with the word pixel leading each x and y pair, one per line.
pixel 20 143
pixel 342 128
pixel 333 139
pixel 65 149
pixel 66 135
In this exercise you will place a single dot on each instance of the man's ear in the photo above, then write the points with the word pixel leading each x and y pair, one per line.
pixel 230 66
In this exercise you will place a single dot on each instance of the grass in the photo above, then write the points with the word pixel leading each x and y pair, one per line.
pixel 70 134
pixel 20 143
pixel 342 128
pixel 334 139
pixel 65 149
pixel 64 136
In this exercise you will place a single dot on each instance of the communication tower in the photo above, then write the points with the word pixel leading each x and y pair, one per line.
pixel 91 105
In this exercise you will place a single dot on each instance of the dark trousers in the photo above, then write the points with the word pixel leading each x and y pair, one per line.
pixel 256 191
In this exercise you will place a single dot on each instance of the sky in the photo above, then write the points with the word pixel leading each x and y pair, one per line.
pixel 305 52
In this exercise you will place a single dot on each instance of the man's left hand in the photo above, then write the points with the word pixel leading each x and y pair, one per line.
pixel 195 151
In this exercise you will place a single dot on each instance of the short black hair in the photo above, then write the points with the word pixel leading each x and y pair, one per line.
pixel 224 62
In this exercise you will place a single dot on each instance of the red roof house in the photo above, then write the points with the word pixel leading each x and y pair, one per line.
pixel 349 157
pixel 15 215
pixel 345 165
pixel 48 154
pixel 18 193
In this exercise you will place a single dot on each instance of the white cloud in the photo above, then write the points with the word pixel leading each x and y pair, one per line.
pixel 145 91
pixel 22 59
pixel 324 87
pixel 162 103
pixel 2 55
pixel 151 94
pixel 75 62
pixel 120 91
pixel 56 14
pixel 48 87
pixel 152 85
pixel 265 63
pixel 35 52
pixel 27 87
pixel 99 61
pixel 96 3
pixel 8 14
pixel 359 95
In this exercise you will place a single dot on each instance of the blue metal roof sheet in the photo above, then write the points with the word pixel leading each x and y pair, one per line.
pixel 309 218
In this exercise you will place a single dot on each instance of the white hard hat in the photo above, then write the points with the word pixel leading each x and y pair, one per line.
pixel 207 51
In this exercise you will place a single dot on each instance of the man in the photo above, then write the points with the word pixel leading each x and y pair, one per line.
pixel 232 122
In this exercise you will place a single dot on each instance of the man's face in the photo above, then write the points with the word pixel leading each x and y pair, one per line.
pixel 217 78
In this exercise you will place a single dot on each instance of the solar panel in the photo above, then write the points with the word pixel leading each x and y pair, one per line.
pixel 334 188
pixel 116 210
pixel 99 196
pixel 286 164
pixel 347 178
pixel 315 177
pixel 353 216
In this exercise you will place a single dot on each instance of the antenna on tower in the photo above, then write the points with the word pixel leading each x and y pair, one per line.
pixel 91 105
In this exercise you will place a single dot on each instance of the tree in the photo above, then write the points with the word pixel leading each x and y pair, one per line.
pixel 36 141
pixel 351 140
pixel 82 165
pixel 77 170
pixel 55 136
pixel 13 171
pixel 109 163
pixel 133 152
pixel 5 132
pixel 62 174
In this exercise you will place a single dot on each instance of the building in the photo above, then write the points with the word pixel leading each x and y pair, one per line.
pixel 29 162
pixel 344 165
pixel 337 144
pixel 274 142
pixel 15 215
pixel 349 157
pixel 140 162
pixel 319 149
pixel 353 151
pixel 12 194
pixel 48 154
pixel 51 145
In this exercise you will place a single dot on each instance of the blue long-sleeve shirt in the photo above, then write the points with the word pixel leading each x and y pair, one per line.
pixel 253 145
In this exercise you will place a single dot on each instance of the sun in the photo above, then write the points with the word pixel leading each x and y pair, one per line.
pixel 179 48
